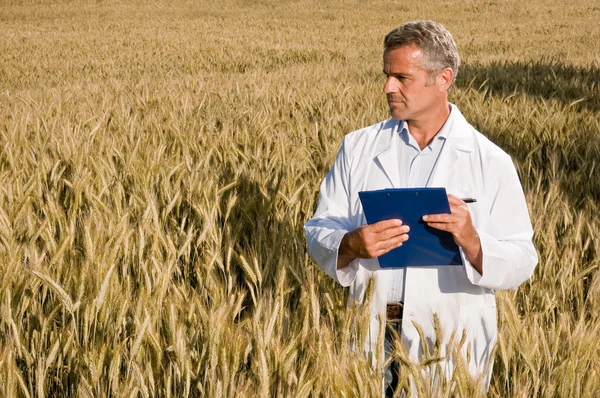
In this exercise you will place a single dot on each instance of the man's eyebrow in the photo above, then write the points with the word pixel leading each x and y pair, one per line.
pixel 397 74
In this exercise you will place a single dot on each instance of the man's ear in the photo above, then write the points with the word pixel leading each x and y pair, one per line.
pixel 444 79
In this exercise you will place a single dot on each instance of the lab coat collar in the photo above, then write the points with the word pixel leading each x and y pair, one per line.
pixel 459 142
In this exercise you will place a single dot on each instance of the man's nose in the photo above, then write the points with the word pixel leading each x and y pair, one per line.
pixel 390 86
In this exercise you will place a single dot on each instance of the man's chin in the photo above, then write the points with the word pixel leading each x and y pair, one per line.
pixel 396 114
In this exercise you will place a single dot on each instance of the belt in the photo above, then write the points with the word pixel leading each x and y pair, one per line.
pixel 394 312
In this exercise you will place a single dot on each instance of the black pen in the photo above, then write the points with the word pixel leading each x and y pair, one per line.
pixel 469 200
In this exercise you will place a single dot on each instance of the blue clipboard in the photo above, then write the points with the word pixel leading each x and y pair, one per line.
pixel 425 246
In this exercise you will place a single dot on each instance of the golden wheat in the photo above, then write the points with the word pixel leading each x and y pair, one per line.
pixel 158 162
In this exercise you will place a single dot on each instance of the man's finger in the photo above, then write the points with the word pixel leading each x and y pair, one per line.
pixel 454 200
pixel 431 218
pixel 386 224
pixel 391 233
pixel 391 244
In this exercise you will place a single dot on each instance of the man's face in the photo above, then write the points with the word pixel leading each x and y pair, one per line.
pixel 409 92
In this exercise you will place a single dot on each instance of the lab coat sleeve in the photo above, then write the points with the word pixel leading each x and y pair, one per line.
pixel 325 230
pixel 509 257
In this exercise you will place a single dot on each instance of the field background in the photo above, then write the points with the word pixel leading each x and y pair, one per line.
pixel 158 161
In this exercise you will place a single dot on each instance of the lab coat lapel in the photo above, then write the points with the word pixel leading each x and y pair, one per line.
pixel 386 156
pixel 459 143
pixel 445 166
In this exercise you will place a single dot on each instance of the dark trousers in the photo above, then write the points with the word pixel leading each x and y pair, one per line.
pixel 392 371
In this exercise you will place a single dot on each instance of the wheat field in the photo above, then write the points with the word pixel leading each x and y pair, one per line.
pixel 158 161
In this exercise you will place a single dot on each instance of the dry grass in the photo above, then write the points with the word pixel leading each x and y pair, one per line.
pixel 158 163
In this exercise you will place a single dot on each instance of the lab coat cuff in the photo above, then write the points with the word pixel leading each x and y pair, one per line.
pixel 325 253
pixel 489 249
pixel 474 276
pixel 346 275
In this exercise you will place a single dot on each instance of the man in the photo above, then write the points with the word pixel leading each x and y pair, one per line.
pixel 426 143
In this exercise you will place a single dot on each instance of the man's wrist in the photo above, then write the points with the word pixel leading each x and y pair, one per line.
pixel 474 253
pixel 345 255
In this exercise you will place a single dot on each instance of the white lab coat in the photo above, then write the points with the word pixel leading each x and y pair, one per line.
pixel 469 166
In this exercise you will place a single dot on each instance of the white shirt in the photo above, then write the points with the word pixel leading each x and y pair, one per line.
pixel 415 168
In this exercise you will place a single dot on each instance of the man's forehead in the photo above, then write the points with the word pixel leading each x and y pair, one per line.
pixel 405 57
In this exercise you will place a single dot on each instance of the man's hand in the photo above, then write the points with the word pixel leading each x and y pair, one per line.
pixel 373 240
pixel 460 225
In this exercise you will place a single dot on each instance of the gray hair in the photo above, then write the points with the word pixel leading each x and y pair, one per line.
pixel 437 44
